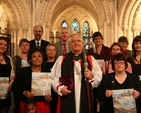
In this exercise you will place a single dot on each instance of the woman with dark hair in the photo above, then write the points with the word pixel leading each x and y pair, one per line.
pixel 102 51
pixel 22 83
pixel 119 79
pixel 135 58
pixel 107 65
pixel 6 70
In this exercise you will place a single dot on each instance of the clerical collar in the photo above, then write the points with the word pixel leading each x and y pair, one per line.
pixel 77 57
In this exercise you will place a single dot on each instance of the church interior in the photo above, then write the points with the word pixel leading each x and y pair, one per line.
pixel 113 18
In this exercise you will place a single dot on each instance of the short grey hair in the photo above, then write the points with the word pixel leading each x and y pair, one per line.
pixel 51 45
pixel 75 33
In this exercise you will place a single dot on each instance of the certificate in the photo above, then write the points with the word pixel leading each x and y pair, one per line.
pixel 123 101
pixel 100 62
pixel 24 63
pixel 4 83
pixel 41 83
pixel 140 77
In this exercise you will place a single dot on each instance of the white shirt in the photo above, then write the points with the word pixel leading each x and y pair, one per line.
pixel 39 43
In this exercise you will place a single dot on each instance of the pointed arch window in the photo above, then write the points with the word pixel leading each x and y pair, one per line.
pixel 75 26
pixel 86 32
pixel 64 24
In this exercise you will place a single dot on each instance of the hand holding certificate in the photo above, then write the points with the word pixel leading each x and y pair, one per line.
pixel 124 101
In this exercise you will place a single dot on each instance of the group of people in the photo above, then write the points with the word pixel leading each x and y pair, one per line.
pixel 120 71
pixel 77 87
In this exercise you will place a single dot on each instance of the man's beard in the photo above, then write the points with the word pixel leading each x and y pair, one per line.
pixel 37 36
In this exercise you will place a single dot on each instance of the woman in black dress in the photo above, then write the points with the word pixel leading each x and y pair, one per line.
pixel 51 55
pixel 135 58
pixel 6 70
pixel 120 79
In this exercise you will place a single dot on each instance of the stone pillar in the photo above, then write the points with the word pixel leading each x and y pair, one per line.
pixel 47 31
pixel 130 38
pixel 14 41
pixel 25 33
pixel 124 29
pixel 115 21
pixel 33 12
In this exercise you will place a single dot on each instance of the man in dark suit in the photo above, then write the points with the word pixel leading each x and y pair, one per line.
pixel 37 41
pixel 64 41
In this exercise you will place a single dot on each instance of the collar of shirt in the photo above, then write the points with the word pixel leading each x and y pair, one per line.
pixel 39 42
pixel 64 43
pixel 77 57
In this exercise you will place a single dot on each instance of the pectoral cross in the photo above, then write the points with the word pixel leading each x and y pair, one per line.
pixel 77 73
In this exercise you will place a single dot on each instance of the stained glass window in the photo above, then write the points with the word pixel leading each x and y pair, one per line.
pixel 75 26
pixel 64 24
pixel 86 29
pixel 86 32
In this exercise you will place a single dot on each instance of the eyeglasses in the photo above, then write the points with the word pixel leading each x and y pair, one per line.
pixel 119 63
pixel 74 41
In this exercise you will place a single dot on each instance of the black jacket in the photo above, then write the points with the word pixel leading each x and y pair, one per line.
pixel 42 48
pixel 108 83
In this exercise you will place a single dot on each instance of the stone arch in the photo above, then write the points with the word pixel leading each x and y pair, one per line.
pixel 54 8
pixel 93 27
pixel 49 9
pixel 127 19
pixel 57 25
pixel 126 14
pixel 16 13
pixel 65 22
pixel 72 19
pixel 40 11
pixel 121 11
pixel 64 19
pixel 10 14
pixel 107 11
pixel 136 26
